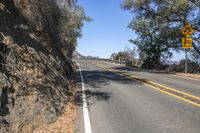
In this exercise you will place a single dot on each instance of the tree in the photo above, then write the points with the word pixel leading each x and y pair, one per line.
pixel 72 24
pixel 129 54
pixel 193 67
pixel 158 24
pixel 195 56
pixel 113 56
pixel 61 21
pixel 126 55
pixel 154 40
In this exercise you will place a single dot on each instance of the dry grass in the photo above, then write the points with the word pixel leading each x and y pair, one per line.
pixel 196 76
pixel 66 122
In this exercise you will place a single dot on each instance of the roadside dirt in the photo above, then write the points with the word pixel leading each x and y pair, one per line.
pixel 66 122
pixel 196 76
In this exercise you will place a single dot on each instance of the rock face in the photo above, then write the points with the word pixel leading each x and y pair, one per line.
pixel 34 71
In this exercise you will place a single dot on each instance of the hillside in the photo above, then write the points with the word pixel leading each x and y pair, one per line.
pixel 35 64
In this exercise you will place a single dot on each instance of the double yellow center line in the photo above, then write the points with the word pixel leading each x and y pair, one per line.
pixel 189 98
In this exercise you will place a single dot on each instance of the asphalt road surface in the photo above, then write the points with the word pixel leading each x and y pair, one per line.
pixel 119 104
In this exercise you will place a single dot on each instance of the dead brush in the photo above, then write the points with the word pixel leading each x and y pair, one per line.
pixel 7 40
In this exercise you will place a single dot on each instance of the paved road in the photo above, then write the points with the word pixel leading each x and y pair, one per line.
pixel 185 84
pixel 118 104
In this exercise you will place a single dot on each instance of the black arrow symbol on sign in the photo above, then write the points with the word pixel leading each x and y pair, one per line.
pixel 187 30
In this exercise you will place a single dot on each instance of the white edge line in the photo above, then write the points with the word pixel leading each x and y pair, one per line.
pixel 86 116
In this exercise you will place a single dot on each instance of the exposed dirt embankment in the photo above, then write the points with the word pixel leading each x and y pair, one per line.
pixel 34 72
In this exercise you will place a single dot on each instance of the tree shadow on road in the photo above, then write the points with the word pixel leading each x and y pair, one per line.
pixel 97 80
pixel 92 97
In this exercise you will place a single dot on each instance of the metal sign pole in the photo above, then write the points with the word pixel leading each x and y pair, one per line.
pixel 186 61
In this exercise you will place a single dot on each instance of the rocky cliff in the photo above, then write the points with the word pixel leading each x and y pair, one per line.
pixel 34 65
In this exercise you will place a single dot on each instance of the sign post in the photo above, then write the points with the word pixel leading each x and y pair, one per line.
pixel 186 61
pixel 187 42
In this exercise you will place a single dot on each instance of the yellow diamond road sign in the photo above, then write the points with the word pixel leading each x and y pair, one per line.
pixel 187 43
pixel 187 30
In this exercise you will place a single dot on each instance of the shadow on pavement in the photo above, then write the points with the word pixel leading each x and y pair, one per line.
pixel 92 97
pixel 96 80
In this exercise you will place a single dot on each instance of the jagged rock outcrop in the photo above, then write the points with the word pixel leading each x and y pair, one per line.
pixel 34 69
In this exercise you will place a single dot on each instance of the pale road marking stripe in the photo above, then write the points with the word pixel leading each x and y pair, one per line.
pixel 185 77
pixel 86 116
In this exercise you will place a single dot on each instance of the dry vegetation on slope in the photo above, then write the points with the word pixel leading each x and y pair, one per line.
pixel 35 62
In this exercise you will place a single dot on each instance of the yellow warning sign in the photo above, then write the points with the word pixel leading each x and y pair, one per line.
pixel 186 43
pixel 187 30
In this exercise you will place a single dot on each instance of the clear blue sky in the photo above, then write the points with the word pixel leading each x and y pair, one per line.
pixel 108 32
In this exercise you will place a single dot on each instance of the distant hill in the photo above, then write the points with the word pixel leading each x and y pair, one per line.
pixel 35 64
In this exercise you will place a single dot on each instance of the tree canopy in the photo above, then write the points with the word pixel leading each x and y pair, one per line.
pixel 158 24
pixel 126 55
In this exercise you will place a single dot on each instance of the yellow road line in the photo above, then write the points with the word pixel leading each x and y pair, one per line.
pixel 171 94
pixel 175 90
pixel 138 79
pixel 181 92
